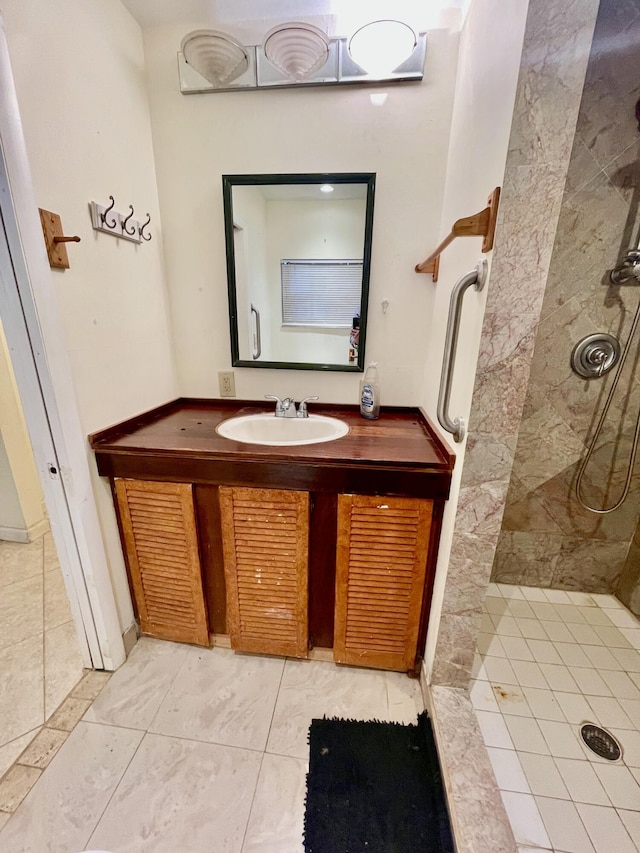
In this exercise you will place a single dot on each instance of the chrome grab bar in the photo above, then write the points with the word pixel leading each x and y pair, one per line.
pixel 476 278
pixel 257 344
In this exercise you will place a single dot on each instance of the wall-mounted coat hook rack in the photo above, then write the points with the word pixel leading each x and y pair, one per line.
pixel 54 239
pixel 481 224
pixel 106 219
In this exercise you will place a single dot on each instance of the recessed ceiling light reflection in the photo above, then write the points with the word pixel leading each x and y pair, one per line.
pixel 326 188
pixel 378 98
pixel 381 46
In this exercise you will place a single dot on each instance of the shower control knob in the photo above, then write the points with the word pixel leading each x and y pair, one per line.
pixel 595 355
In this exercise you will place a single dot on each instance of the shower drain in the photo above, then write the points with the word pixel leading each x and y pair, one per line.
pixel 601 742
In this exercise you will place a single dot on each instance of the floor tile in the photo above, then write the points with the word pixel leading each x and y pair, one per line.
pixel 525 819
pixel 15 786
pixel 612 638
pixel 531 629
pixel 21 697
pixel 631 821
pixel 482 696
pixel 622 618
pixel 632 635
pixel 582 599
pixel 543 776
pixel 545 611
pixel 621 786
pixel 63 667
pixel 20 561
pixel 566 830
pixel 499 671
pixel 572 655
pixel 575 707
pixel 50 554
pixel 490 644
pixel 511 591
pixel 629 658
pixel 511 699
pixel 543 704
pixel 529 673
pixel 597 616
pixel 557 596
pixel 175 790
pixel 505 625
pixel 520 610
pixel 533 593
pixel 609 713
pixel 516 648
pixel 11 751
pixel 21 611
pixel 221 697
pixel 497 606
pixel 557 632
pixel 606 830
pixel 585 634
pixel 68 714
pixel 525 734
pixel 313 689
pixel 43 747
pixel 57 610
pixel 59 813
pixel 276 821
pixel 562 739
pixel 606 601
pixel 91 684
pixel 544 651
pixel 508 770
pixel 582 782
pixel 602 658
pixel 559 678
pixel 589 681
pixel 134 693
pixel 569 614
pixel 630 744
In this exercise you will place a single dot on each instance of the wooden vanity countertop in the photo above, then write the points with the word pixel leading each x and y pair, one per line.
pixel 178 440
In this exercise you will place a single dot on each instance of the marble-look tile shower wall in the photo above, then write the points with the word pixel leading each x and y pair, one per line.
pixel 547 539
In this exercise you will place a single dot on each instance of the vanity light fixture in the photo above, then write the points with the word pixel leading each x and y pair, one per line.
pixel 219 58
pixel 382 46
pixel 326 188
pixel 297 50
pixel 299 54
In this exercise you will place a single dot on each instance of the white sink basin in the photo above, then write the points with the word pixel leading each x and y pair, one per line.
pixel 267 429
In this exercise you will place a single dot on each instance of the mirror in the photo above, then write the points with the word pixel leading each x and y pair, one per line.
pixel 298 262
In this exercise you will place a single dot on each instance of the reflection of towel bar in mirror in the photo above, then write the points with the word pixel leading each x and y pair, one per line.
pixel 481 224
pixel 257 345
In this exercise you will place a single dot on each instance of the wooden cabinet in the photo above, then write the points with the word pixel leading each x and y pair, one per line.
pixel 265 539
pixel 281 549
pixel 380 579
pixel 161 546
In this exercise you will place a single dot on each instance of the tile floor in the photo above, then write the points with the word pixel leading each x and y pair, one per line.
pixel 198 750
pixel 547 661
pixel 39 657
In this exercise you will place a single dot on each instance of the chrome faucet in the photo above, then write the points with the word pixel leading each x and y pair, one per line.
pixel 284 408
pixel 302 408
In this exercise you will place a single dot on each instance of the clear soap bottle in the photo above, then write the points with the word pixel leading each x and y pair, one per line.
pixel 370 393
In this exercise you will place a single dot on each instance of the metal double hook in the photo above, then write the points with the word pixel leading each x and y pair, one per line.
pixel 103 216
pixel 144 236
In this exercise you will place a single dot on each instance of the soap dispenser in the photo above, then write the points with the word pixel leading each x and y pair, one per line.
pixel 370 393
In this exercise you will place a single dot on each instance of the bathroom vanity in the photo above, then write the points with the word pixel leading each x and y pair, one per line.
pixel 284 550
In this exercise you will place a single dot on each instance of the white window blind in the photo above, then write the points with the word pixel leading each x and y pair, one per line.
pixel 320 293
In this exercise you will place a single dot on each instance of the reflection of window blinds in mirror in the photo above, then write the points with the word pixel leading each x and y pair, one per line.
pixel 321 293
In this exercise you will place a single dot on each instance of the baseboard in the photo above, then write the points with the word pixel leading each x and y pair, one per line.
pixel 25 535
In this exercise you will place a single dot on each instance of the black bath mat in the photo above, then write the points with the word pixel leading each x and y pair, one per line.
pixel 374 788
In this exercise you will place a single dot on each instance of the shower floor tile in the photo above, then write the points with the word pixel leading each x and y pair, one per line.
pixel 553 661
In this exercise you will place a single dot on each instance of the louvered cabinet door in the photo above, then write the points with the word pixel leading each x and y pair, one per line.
pixel 380 572
pixel 159 530
pixel 265 538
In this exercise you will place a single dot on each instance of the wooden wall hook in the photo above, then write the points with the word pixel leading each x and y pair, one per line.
pixel 54 239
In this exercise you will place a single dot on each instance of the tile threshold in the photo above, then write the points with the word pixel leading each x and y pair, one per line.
pixel 21 776
pixel 478 817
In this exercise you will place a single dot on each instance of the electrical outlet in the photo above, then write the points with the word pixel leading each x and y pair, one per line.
pixel 227 383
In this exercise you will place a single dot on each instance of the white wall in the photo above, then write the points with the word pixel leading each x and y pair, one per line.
pixel 22 513
pixel 198 138
pixel 489 62
pixel 79 75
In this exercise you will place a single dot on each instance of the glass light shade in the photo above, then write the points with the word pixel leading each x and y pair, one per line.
pixel 381 46
pixel 216 56
pixel 296 50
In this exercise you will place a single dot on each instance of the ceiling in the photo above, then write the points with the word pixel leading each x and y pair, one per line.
pixel 248 17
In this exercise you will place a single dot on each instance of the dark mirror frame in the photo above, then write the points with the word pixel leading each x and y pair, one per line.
pixel 228 182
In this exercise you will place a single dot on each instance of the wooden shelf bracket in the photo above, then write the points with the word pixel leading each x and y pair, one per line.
pixel 481 224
